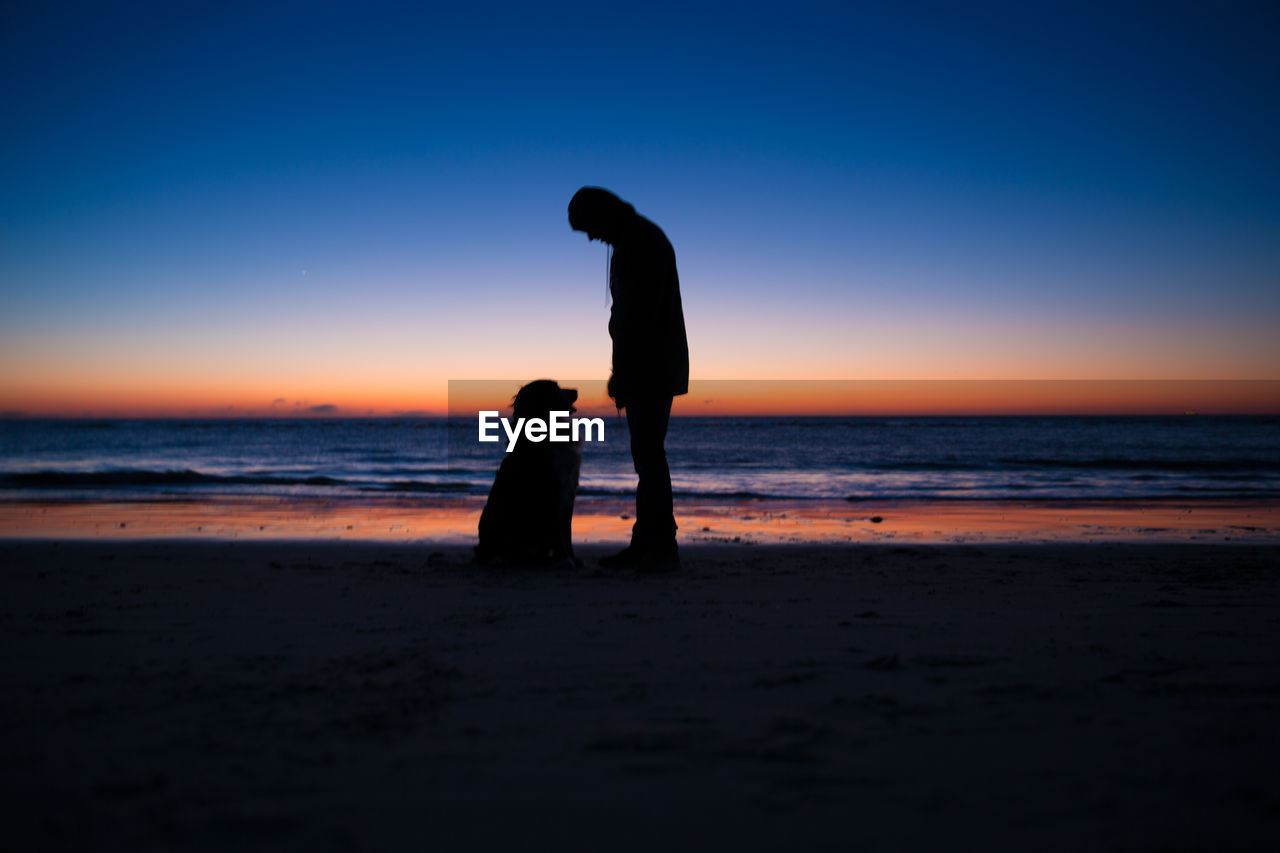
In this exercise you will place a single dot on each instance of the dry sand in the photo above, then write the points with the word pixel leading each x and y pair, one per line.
pixel 275 695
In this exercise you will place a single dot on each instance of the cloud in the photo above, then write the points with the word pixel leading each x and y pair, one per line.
pixel 278 400
pixel 322 409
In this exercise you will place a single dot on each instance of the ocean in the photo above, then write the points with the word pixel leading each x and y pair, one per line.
pixel 854 459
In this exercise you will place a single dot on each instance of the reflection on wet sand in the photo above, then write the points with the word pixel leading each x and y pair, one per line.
pixel 608 521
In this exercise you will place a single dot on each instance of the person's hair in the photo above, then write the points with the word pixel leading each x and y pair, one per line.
pixel 597 209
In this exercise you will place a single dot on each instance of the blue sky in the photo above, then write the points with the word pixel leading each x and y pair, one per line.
pixel 272 196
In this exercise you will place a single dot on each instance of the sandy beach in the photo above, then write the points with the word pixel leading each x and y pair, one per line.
pixel 363 696
pixel 453 521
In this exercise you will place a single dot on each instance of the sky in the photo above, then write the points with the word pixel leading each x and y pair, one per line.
pixel 296 207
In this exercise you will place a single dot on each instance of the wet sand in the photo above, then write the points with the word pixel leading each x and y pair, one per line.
pixel 279 695
pixel 597 520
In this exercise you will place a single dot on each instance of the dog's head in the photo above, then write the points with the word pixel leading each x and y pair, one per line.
pixel 541 397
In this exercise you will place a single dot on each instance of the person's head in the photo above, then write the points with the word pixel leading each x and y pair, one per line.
pixel 599 213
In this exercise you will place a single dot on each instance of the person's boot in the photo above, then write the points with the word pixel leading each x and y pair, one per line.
pixel 655 560
pixel 627 558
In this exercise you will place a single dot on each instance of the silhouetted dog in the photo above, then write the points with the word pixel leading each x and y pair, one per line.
pixel 529 515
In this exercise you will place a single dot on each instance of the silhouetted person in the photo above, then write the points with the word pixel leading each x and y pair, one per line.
pixel 650 361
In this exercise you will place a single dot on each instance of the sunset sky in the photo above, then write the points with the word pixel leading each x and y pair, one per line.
pixel 274 207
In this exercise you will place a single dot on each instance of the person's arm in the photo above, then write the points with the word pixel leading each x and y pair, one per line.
pixel 637 325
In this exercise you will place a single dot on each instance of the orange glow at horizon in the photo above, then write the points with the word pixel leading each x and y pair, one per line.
pixel 716 398
pixel 356 359
pixel 824 397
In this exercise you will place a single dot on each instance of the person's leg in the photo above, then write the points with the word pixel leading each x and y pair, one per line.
pixel 655 526
pixel 653 536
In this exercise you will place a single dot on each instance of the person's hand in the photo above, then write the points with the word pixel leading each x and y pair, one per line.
pixel 615 393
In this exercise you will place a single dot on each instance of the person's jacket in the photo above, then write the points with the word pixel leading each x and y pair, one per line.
pixel 650 351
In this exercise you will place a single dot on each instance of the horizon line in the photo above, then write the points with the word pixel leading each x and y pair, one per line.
pixel 434 416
